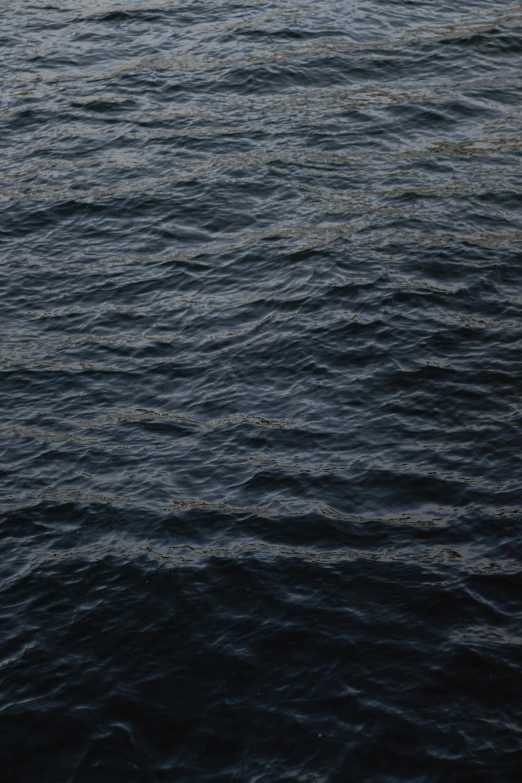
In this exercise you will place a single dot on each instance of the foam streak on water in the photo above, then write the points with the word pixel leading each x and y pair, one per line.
pixel 260 375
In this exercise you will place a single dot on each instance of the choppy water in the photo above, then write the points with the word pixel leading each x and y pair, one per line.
pixel 261 373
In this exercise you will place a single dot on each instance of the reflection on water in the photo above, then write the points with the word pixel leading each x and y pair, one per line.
pixel 260 381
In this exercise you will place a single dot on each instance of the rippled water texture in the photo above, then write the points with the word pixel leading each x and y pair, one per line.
pixel 261 372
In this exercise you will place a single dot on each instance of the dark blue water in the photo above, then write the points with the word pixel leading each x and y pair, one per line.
pixel 261 374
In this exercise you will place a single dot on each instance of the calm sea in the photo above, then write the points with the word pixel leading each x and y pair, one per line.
pixel 261 375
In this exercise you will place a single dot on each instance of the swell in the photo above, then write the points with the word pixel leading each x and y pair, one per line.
pixel 260 370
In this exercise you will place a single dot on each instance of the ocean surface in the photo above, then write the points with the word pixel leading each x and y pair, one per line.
pixel 261 375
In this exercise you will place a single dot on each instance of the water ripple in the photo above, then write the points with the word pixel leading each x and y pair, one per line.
pixel 260 370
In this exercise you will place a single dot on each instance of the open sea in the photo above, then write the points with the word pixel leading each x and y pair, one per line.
pixel 261 391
